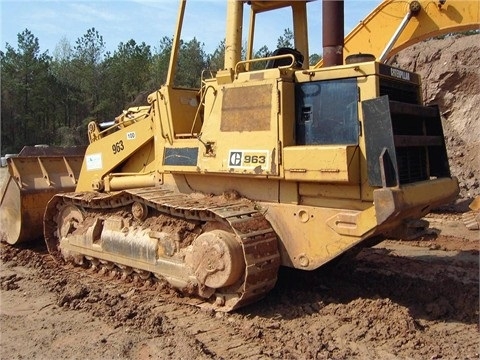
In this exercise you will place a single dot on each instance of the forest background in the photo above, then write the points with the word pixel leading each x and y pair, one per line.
pixel 50 99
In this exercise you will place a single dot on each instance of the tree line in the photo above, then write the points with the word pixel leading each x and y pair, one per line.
pixel 50 99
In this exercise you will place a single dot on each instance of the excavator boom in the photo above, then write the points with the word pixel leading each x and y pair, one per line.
pixel 395 25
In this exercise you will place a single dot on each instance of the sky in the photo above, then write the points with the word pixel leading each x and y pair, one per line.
pixel 148 21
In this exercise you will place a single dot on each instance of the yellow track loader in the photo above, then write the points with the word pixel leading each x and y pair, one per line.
pixel 269 163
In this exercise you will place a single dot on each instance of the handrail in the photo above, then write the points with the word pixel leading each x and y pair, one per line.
pixel 283 56
pixel 203 92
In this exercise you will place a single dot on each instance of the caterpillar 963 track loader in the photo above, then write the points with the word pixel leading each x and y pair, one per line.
pixel 212 189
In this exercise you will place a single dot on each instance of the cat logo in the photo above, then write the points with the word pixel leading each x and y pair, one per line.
pixel 248 159
pixel 235 158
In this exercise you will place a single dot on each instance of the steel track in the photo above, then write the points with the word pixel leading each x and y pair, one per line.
pixel 257 237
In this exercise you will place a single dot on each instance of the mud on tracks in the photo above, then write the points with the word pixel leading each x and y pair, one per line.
pixel 383 303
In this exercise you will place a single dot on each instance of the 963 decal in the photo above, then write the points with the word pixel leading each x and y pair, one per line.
pixel 248 159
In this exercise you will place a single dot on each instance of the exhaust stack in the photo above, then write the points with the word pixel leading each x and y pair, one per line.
pixel 333 33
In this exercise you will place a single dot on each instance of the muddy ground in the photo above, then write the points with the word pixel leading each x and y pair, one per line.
pixel 416 299
pixel 400 300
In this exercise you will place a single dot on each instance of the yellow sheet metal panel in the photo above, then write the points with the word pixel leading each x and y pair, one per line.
pixel 241 129
pixel 412 200
pixel 311 236
pixel 336 191
pixel 246 108
pixel 183 105
pixel 326 163
pixel 260 189
pixel 338 72
pixel 104 155
pixel 265 74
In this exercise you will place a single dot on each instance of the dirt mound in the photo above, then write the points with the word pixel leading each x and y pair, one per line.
pixel 451 79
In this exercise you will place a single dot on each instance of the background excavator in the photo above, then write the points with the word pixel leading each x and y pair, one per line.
pixel 212 189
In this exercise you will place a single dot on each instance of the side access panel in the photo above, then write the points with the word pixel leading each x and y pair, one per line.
pixel 242 129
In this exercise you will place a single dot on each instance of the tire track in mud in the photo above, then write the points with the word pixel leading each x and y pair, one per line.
pixel 217 333
pixel 156 311
pixel 164 313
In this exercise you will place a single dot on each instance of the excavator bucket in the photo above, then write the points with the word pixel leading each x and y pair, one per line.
pixel 35 175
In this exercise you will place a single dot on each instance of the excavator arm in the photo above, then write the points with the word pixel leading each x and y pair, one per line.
pixel 395 25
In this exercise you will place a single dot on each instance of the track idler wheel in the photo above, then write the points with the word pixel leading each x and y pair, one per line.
pixel 216 259
pixel 68 220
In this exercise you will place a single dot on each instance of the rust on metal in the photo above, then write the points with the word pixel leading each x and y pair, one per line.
pixel 333 33
pixel 247 108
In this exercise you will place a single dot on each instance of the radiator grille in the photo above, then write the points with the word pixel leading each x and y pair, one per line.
pixel 404 142
pixel 400 91
pixel 412 164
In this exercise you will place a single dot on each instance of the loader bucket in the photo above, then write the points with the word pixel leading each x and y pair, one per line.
pixel 35 176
